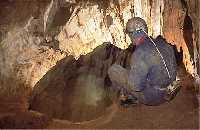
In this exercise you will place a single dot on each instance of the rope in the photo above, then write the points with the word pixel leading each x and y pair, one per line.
pixel 159 54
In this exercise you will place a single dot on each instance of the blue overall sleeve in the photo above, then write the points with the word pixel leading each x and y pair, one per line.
pixel 139 70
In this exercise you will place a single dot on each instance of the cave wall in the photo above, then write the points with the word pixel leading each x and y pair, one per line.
pixel 181 28
pixel 177 20
pixel 26 54
pixel 36 35
pixel 90 25
pixel 31 42
pixel 194 13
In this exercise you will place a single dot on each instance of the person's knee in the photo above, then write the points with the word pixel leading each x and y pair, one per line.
pixel 118 74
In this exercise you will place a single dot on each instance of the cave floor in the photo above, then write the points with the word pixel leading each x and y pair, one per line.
pixel 181 112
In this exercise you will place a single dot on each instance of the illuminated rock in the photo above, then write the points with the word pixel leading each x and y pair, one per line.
pixel 36 46
pixel 90 27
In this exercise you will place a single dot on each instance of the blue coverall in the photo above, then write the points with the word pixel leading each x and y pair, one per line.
pixel 148 74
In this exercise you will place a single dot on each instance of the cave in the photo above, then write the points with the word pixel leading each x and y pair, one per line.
pixel 55 56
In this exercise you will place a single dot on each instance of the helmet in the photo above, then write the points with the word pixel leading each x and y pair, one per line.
pixel 136 23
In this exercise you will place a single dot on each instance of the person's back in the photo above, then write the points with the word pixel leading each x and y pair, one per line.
pixel 149 73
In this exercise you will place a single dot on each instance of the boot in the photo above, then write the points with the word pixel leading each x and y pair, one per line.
pixel 172 90
pixel 128 100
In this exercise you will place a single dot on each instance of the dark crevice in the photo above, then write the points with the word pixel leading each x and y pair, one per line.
pixel 108 20
pixel 198 66
pixel 187 35
pixel 178 55
pixel 62 16
pixel 150 3
pixel 184 4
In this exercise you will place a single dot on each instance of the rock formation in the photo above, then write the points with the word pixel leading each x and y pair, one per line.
pixel 79 89
pixel 57 50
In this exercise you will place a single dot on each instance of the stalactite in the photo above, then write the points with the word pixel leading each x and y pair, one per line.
pixel 156 17
pixel 50 14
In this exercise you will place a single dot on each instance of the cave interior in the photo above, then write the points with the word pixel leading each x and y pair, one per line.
pixel 55 54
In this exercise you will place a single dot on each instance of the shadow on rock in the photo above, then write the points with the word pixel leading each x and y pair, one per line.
pixel 79 90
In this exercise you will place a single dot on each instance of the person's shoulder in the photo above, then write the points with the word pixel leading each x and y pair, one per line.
pixel 161 39
pixel 162 42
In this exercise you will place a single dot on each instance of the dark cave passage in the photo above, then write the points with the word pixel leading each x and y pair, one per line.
pixel 187 35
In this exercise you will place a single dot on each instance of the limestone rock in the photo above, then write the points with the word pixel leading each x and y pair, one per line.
pixel 37 39
pixel 24 59
pixel 89 27
pixel 79 90
pixel 180 28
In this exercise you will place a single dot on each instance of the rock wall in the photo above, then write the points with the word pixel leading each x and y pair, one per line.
pixel 39 41
pixel 26 54
pixel 33 38
pixel 194 13
pixel 90 25
pixel 181 28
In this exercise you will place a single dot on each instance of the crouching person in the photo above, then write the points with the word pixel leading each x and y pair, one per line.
pixel 152 77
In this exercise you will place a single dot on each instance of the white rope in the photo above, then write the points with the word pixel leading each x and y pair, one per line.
pixel 159 54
